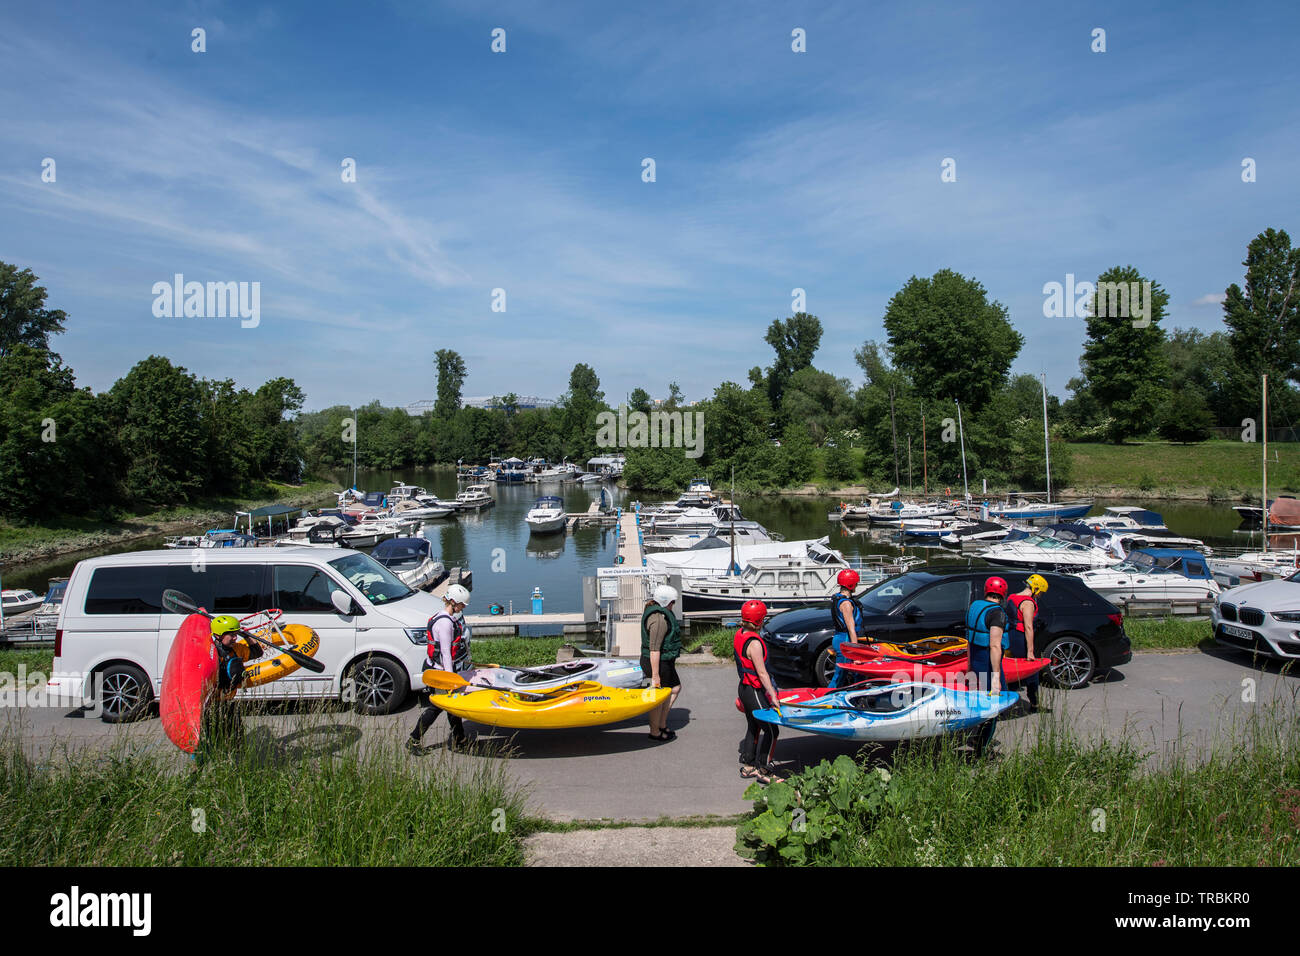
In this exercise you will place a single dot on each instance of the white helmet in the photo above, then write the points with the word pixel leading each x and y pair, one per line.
pixel 664 595
pixel 458 594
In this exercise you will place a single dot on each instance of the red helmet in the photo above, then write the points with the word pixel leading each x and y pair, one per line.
pixel 996 586
pixel 753 612
pixel 848 578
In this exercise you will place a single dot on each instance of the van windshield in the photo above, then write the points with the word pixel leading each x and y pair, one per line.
pixel 376 582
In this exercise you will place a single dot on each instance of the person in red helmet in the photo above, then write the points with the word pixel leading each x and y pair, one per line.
pixel 987 640
pixel 756 692
pixel 846 612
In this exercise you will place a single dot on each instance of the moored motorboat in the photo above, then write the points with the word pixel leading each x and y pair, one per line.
pixel 1155 574
pixel 412 560
pixel 20 600
pixel 546 515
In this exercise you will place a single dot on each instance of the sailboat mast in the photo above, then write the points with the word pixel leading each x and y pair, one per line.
pixel 732 568
pixel 1047 443
pixel 925 463
pixel 354 450
pixel 1264 497
pixel 962 434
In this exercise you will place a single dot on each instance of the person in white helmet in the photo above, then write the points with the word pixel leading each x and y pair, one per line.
pixel 448 642
pixel 661 645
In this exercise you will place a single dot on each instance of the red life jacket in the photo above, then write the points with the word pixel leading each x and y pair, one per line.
pixel 459 645
pixel 1017 622
pixel 744 666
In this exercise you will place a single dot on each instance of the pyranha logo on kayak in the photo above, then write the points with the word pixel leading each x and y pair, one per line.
pixel 586 699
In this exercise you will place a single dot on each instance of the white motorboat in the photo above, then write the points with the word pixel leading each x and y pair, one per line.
pixel 975 533
pixel 1031 508
pixel 546 515
pixel 695 519
pixel 1063 548
pixel 474 497
pixel 410 508
pixel 1248 566
pixel 411 559
pixel 1155 574
pixel 899 512
pixel 780 583
pixel 1139 528
pixel 20 600
pixel 743 532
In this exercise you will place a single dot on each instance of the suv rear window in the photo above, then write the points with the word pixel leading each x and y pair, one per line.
pixel 219 588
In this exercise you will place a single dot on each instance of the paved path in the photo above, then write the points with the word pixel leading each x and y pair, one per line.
pixel 1158 700
pixel 636 846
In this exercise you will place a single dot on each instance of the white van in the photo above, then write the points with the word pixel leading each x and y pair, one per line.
pixel 114 632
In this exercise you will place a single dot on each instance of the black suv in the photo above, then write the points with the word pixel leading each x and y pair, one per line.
pixel 1081 631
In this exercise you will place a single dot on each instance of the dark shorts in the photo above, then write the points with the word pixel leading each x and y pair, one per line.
pixel 667 672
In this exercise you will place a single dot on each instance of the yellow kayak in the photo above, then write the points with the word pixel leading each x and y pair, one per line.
pixel 584 704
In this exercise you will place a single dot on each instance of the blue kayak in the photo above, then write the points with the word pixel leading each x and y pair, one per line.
pixel 892 712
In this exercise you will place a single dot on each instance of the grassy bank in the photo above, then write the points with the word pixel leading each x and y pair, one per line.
pixel 517 651
pixel 20 542
pixel 1062 802
pixel 1219 469
pixel 254 809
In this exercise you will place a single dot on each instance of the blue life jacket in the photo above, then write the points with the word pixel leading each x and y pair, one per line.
pixel 977 628
pixel 841 626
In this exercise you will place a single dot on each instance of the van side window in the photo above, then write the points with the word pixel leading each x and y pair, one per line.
pixel 303 589
pixel 129 590
pixel 237 589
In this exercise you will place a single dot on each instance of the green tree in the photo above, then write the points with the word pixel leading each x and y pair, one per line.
pixel 579 408
pixel 451 378
pixel 817 401
pixel 950 340
pixel 1185 418
pixel 838 463
pixel 639 400
pixel 1264 318
pixel 158 409
pixel 24 320
pixel 795 341
pixel 1123 358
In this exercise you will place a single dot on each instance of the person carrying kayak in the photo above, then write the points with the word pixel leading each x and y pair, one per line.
pixel 750 653
pixel 987 639
pixel 448 642
pixel 846 612
pixel 222 717
pixel 661 645
pixel 1023 608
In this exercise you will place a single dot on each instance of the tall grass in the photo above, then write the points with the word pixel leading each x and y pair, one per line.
pixel 250 807
pixel 1166 633
pixel 517 651
pixel 1067 801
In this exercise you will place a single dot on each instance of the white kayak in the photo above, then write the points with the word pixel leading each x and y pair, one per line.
pixel 619 672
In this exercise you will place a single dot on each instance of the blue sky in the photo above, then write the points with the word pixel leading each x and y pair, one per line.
pixel 522 171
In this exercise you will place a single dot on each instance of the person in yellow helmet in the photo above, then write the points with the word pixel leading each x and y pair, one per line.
pixel 232 651
pixel 1022 609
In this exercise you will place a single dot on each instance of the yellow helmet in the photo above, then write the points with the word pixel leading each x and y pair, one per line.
pixel 1037 583
pixel 224 624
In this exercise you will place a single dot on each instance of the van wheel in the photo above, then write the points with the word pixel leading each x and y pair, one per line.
pixel 124 694
pixel 378 686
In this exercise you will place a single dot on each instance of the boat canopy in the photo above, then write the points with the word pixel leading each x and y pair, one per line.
pixel 398 549
pixel 273 511
pixel 1178 560
pixel 548 500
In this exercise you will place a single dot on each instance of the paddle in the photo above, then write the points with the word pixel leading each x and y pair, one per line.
pixel 180 603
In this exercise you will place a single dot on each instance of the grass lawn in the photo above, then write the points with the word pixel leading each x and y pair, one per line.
pixel 1229 469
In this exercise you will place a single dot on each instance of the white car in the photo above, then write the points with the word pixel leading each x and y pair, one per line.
pixel 1263 618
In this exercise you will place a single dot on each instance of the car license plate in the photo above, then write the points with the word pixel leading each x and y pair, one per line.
pixel 1240 632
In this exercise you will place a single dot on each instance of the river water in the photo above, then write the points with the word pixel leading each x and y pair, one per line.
pixel 508 562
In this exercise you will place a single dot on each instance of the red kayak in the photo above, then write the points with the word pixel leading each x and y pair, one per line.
pixel 947 666
pixel 870 652
pixel 189 681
